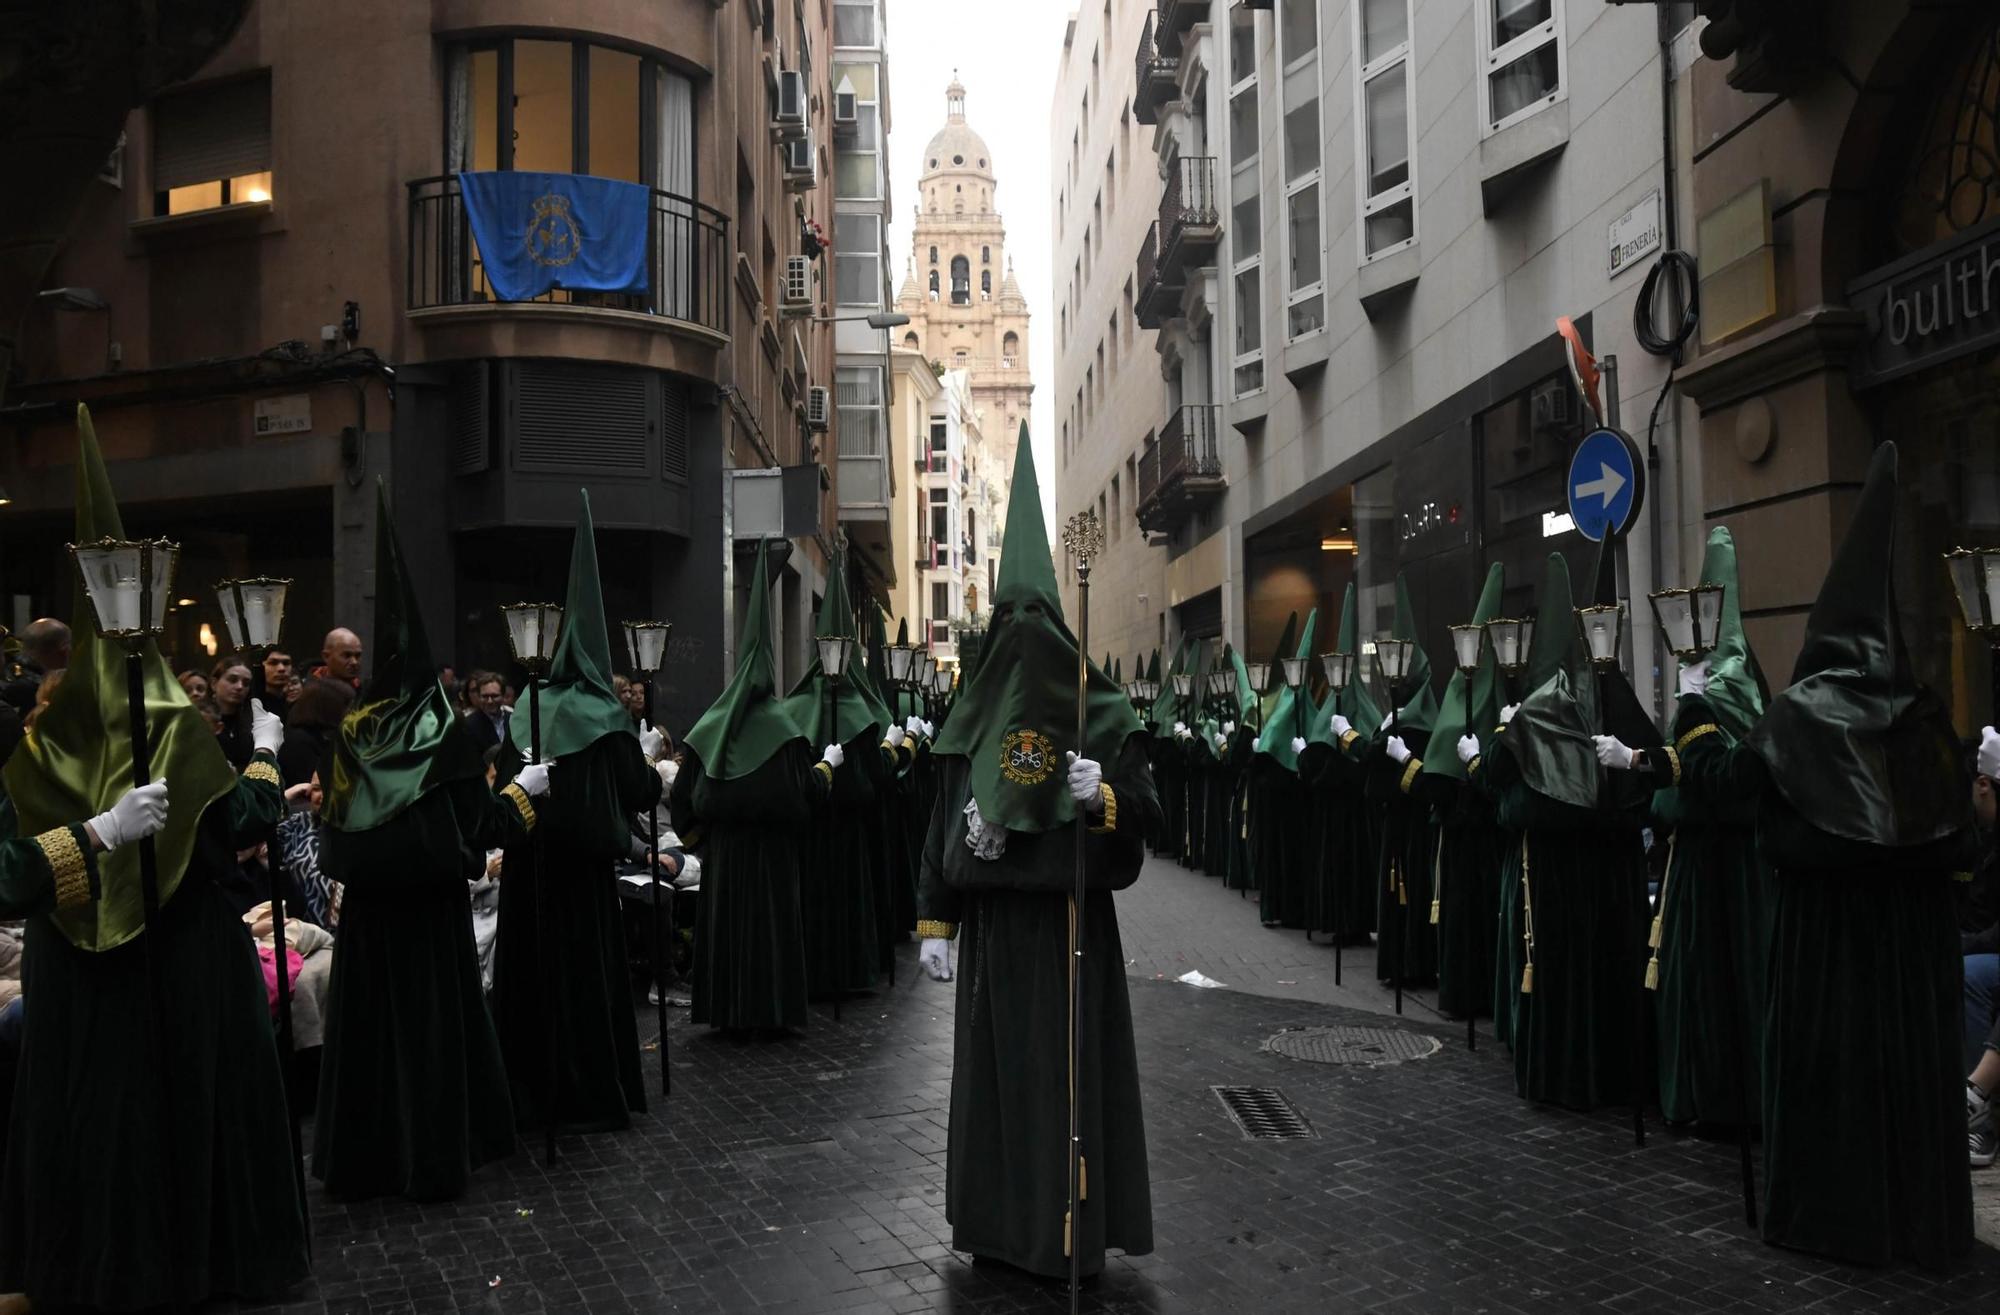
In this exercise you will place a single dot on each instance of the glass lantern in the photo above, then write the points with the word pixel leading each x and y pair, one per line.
pixel 253 610
pixel 1295 673
pixel 129 583
pixel 646 644
pixel 1465 642
pixel 833 652
pixel 1602 627
pixel 1392 655
pixel 1511 640
pixel 1183 684
pixel 941 681
pixel 532 631
pixel 901 656
pixel 1260 677
pixel 1975 577
pixel 1219 683
pixel 1339 668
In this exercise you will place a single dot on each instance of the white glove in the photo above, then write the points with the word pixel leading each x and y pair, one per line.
pixel 651 742
pixel 935 957
pixel 834 756
pixel 1989 753
pixel 690 876
pixel 138 813
pixel 987 840
pixel 1612 752
pixel 534 780
pixel 1507 713
pixel 1694 677
pixel 916 726
pixel 1180 728
pixel 1298 744
pixel 896 737
pixel 1221 741
pixel 266 731
pixel 1399 752
pixel 1229 728
pixel 1342 727
pixel 1468 748
pixel 669 771
pixel 930 730
pixel 1085 776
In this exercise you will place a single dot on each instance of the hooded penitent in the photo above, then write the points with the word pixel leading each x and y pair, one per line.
pixel 1471 706
pixel 77 761
pixel 401 740
pixel 1288 712
pixel 1856 745
pixel 1550 736
pixel 857 710
pixel 578 707
pixel 742 729
pixel 1417 713
pixel 1167 708
pixel 1352 700
pixel 1016 718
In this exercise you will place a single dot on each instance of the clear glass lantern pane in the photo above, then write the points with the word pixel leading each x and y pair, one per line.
pixel 551 631
pixel 832 655
pixel 1708 615
pixel 161 560
pixel 1527 638
pixel 943 680
pixel 1183 684
pixel 1393 656
pixel 232 622
pixel 1600 631
pixel 1989 571
pixel 1509 644
pixel 1465 646
pixel 653 641
pixel 1674 610
pixel 1260 676
pixel 1295 672
pixel 111 580
pixel 900 658
pixel 263 611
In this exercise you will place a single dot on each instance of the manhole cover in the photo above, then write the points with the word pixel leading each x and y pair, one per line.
pixel 1374 1046
pixel 1264 1114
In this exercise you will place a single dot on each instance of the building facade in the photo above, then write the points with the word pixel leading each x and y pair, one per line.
pixel 1348 231
pixel 274 298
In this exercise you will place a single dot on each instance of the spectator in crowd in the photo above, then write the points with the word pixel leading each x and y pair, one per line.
pixel 487 721
pixel 340 657
pixel 448 679
pixel 1979 941
pixel 298 841
pixel 634 695
pixel 44 648
pixel 273 682
pixel 621 689
pixel 209 712
pixel 310 728
pixel 229 686
pixel 195 684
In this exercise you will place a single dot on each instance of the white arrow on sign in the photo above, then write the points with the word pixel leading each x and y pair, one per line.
pixel 1606 487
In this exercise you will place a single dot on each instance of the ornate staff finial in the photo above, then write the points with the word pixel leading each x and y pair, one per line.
pixel 1083 537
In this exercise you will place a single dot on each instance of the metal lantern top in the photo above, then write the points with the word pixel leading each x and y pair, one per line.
pixel 901 657
pixel 1260 677
pixel 1691 619
pixel 1465 641
pixel 1295 672
pixel 129 583
pixel 1602 627
pixel 532 631
pixel 1183 684
pixel 253 610
pixel 1339 668
pixel 1975 577
pixel 941 681
pixel 1511 639
pixel 646 644
pixel 833 654
pixel 1393 656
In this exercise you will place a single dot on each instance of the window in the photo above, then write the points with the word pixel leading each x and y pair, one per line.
pixel 910 340
pixel 933 255
pixel 212 147
pixel 1111 525
pixel 1010 350
pixel 857 400
pixel 1521 60
pixel 961 281
pixel 1245 230
pixel 857 168
pixel 1387 184
pixel 1305 254
pixel 934 285
pixel 986 285
pixel 556 86
pixel 986 255
pixel 938 455
pixel 854 23
pixel 857 263
pixel 940 596
pixel 940 549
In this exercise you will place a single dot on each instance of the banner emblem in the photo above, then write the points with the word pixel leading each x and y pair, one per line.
pixel 1027 757
pixel 553 238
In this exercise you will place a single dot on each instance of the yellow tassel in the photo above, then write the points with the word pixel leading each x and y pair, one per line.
pixel 1082 1179
pixel 1653 973
pixel 1402 893
pixel 1653 941
pixel 1065 1233
pixel 1528 980
pixel 1434 911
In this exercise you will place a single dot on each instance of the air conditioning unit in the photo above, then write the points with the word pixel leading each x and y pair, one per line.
pixel 789 119
pixel 797 296
pixel 801 165
pixel 1549 408
pixel 819 408
pixel 846 114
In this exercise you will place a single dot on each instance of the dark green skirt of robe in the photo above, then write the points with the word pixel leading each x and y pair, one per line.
pixel 839 881
pixel 1470 849
pixel 1278 860
pixel 565 1000
pixel 149 1160
pixel 1405 864
pixel 1342 880
pixel 413 1093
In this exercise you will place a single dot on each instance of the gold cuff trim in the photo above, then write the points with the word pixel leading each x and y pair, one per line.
pixel 265 772
pixel 1349 738
pixel 823 766
pixel 1416 765
pixel 66 862
pixel 1674 762
pixel 1110 822
pixel 1706 728
pixel 930 929
pixel 523 805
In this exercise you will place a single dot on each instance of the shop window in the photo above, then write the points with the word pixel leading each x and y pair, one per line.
pixel 1386 188
pixel 212 147
pixel 1521 59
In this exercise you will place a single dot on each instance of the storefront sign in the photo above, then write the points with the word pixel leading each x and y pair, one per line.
pixel 1939 304
pixel 1635 234
pixel 290 414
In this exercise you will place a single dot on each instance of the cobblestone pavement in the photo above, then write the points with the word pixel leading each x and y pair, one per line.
pixel 807 1175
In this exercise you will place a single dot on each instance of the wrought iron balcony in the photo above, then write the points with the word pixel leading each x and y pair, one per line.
pixel 1159 74
pixel 1183 470
pixel 687 259
pixel 1177 16
pixel 1190 223
pixel 1160 286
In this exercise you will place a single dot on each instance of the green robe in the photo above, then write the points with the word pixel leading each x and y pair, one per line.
pixel 149 1158
pixel 1006 1176
pixel 582 829
pixel 1342 862
pixel 412 1090
pixel 750 833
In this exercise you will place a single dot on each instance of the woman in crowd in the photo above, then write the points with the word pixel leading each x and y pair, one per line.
pixel 194 684
pixel 310 725
pixel 229 686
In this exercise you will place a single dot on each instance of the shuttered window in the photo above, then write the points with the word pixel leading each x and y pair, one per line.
pixel 576 418
pixel 212 146
pixel 471 420
pixel 674 429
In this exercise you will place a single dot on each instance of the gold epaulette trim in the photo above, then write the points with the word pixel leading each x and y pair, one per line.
pixel 66 862
pixel 1110 822
pixel 1674 760
pixel 1706 728
pixel 1410 772
pixel 523 805
pixel 931 929
pixel 265 772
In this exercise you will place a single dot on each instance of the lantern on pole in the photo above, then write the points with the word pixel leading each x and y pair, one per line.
pixel 253 610
pixel 1602 626
pixel 646 651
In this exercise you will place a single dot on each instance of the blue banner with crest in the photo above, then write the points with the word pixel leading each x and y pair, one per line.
pixel 538 231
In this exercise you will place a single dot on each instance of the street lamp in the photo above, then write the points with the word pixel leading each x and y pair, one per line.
pixel 1975 577
pixel 253 610
pixel 646 649
pixel 1691 619
pixel 1339 668
pixel 532 630
pixel 1465 642
pixel 1602 627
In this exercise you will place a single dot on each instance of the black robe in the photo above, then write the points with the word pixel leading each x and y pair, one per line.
pixel 1467 894
pixel 1405 865
pixel 1279 865
pixel 1006 1177
pixel 1341 844
pixel 843 886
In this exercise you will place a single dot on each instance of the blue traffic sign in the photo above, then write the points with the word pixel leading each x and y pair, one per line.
pixel 1606 484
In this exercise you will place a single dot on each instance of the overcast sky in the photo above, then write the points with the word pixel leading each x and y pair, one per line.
pixel 1006 55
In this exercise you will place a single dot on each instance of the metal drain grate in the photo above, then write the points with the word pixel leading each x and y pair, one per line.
pixel 1375 1047
pixel 1264 1114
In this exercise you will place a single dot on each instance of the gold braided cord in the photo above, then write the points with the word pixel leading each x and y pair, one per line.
pixel 930 929
pixel 1674 759
pixel 67 865
pixel 1527 923
pixel 1659 933
pixel 1410 772
pixel 1110 822
pixel 265 772
pixel 1706 728
pixel 518 797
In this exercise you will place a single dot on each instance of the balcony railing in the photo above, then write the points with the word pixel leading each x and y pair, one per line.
pixel 1177 16
pixel 1160 285
pixel 1190 223
pixel 1182 470
pixel 1158 74
pixel 687 259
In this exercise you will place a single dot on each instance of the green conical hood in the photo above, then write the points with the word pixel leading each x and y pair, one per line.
pixel 1246 702
pixel 1856 745
pixel 1550 736
pixel 855 709
pixel 1418 712
pixel 1290 717
pixel 1016 717
pixel 749 723
pixel 1352 700
pixel 1274 682
pixel 578 706
pixel 76 761
pixel 1167 708
pixel 1469 706
pixel 1736 688
pixel 878 654
pixel 401 740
